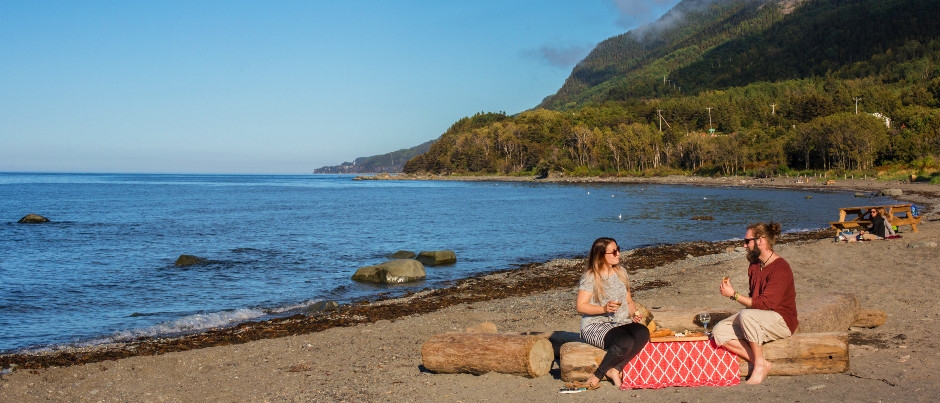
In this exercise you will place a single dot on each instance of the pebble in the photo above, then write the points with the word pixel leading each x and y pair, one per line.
pixel 816 387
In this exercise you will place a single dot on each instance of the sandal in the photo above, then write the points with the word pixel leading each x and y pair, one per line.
pixel 579 385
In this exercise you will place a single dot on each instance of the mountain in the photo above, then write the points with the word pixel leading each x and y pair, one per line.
pixel 706 45
pixel 730 86
pixel 392 162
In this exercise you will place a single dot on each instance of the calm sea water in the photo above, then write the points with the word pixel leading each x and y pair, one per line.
pixel 103 269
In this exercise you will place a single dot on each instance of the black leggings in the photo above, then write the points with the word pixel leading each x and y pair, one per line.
pixel 622 344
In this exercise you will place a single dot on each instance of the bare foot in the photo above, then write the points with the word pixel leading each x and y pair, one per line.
pixel 761 369
pixel 615 377
pixel 593 381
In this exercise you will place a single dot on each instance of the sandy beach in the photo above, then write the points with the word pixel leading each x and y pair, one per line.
pixel 381 360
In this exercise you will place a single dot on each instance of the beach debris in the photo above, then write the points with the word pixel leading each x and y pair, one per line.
pixel 189 260
pixel 33 219
pixel 302 367
pixel 922 244
pixel 402 254
pixel 395 271
pixel 437 257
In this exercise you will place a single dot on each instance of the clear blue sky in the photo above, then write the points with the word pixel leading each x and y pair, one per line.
pixel 274 86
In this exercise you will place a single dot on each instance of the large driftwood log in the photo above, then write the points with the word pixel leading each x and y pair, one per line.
pixel 558 338
pixel 820 313
pixel 831 312
pixel 479 353
pixel 800 354
pixel 806 353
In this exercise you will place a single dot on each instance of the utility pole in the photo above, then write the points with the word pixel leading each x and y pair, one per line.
pixel 856 104
pixel 709 118
pixel 773 109
pixel 662 120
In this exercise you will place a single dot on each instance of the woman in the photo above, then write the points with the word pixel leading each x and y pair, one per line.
pixel 603 288
pixel 880 226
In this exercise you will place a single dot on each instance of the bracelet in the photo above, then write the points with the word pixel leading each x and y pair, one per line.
pixel 734 297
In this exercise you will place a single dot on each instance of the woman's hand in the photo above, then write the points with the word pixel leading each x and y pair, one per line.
pixel 612 307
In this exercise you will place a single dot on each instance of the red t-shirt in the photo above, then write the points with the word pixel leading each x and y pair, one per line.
pixel 771 288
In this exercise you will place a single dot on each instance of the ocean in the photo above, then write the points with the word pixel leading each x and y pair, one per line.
pixel 103 269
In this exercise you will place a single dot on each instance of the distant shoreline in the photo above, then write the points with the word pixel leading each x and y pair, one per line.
pixel 796 182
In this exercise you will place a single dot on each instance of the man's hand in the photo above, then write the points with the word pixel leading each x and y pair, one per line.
pixel 725 288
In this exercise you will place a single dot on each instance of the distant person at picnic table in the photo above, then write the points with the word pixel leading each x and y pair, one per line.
pixel 880 226
pixel 609 317
pixel 770 306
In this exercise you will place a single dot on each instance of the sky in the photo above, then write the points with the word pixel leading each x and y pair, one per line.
pixel 274 87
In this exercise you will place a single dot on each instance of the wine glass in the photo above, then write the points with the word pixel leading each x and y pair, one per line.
pixel 611 315
pixel 705 318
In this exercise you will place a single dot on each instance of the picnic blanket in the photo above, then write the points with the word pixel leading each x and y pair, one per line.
pixel 682 363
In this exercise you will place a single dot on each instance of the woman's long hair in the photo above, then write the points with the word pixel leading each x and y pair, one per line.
pixel 883 214
pixel 595 262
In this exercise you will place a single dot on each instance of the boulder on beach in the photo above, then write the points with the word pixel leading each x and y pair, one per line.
pixel 437 257
pixel 189 260
pixel 394 271
pixel 890 192
pixel 33 219
pixel 402 254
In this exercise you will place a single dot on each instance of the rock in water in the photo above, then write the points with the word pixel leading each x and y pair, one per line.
pixel 437 257
pixel 189 260
pixel 891 192
pixel 395 271
pixel 322 306
pixel 402 254
pixel 33 219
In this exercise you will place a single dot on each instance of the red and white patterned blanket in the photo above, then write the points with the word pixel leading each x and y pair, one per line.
pixel 685 363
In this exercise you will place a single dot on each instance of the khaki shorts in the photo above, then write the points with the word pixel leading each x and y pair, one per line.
pixel 753 325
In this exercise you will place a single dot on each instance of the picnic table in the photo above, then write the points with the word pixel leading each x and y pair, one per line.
pixel 857 217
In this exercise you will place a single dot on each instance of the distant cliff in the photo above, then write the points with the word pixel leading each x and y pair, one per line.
pixel 392 162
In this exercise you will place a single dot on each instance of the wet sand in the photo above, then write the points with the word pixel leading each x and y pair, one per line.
pixel 372 351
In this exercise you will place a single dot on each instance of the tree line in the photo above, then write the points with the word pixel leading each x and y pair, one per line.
pixel 820 123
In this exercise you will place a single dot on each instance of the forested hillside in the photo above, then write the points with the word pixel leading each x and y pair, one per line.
pixel 389 162
pixel 726 87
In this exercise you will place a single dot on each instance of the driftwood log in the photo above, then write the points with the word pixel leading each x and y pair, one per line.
pixel 579 360
pixel 806 353
pixel 869 318
pixel 800 354
pixel 821 313
pixel 479 353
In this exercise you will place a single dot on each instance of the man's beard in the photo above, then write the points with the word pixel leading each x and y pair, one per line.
pixel 753 255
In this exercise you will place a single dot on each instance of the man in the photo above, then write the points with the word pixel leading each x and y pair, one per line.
pixel 770 306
